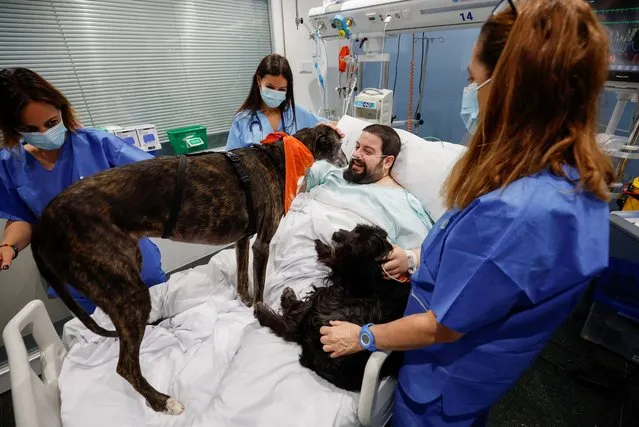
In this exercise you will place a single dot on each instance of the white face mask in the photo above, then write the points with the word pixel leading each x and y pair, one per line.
pixel 470 106
pixel 272 98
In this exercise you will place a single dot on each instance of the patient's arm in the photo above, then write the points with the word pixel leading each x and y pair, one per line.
pixel 315 175
pixel 397 262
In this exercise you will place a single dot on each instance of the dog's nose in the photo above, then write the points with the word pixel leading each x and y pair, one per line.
pixel 340 235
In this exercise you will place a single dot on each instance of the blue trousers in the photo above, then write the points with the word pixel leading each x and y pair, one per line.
pixel 406 413
pixel 152 274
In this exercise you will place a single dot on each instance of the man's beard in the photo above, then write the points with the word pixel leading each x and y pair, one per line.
pixel 365 176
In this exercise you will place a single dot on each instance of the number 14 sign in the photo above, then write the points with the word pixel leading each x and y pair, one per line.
pixel 467 16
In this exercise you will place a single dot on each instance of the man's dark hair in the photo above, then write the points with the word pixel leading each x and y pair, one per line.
pixel 391 143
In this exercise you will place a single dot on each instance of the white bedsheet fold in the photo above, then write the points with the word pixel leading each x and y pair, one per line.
pixel 210 353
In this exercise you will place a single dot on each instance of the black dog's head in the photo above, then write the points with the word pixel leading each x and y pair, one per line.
pixel 325 144
pixel 356 254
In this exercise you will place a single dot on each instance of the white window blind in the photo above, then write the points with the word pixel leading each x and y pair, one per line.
pixel 126 62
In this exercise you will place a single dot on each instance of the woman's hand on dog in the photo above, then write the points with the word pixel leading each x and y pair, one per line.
pixel 334 126
pixel 340 339
pixel 396 263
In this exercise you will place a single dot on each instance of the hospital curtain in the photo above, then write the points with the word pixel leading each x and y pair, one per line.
pixel 169 63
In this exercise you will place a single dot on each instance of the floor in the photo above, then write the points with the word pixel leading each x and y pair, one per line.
pixel 572 383
pixel 6 411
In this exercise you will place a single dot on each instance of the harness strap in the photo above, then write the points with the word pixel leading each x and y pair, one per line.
pixel 241 172
pixel 176 204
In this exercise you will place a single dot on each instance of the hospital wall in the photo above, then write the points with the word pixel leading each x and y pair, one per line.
pixel 138 62
pixel 298 48
pixel 445 75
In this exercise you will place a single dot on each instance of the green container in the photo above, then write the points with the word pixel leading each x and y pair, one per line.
pixel 187 139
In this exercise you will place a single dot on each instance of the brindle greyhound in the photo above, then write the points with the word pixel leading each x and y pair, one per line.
pixel 88 235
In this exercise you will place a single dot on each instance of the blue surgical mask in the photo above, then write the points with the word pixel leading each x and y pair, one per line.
pixel 50 140
pixel 470 106
pixel 272 98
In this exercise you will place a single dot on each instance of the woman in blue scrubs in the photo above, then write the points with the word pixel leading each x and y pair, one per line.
pixel 270 106
pixel 45 150
pixel 527 226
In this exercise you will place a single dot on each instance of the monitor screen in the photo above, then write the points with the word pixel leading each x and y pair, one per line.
pixel 621 19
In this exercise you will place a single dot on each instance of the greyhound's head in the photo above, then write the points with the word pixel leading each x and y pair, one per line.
pixel 325 144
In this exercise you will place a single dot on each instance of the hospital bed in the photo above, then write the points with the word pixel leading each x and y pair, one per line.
pixel 36 398
pixel 421 168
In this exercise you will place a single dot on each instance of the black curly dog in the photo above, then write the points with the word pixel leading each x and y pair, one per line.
pixel 356 291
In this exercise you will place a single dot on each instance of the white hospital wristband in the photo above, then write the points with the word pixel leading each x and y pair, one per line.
pixel 412 261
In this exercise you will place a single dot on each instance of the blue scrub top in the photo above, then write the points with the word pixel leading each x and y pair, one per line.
pixel 506 272
pixel 248 128
pixel 26 187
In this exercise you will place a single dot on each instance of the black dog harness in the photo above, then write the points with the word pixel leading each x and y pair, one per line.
pixel 241 172
pixel 176 205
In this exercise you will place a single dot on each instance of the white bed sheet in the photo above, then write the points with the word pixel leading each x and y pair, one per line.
pixel 211 354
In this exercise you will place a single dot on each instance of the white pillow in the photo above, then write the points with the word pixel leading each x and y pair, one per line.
pixel 421 167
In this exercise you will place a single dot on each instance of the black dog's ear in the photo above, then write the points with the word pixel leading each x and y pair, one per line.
pixel 370 230
pixel 324 252
pixel 380 233
pixel 377 240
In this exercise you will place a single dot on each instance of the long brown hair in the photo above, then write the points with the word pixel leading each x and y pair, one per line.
pixel 542 106
pixel 20 86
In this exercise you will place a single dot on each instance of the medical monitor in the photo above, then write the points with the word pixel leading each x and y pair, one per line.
pixel 621 19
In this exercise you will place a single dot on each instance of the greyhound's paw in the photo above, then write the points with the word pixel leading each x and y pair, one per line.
pixel 173 407
pixel 256 301
pixel 246 300
pixel 260 312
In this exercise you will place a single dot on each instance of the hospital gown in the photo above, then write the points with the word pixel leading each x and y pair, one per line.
pixel 248 129
pixel 26 187
pixel 331 203
pixel 505 271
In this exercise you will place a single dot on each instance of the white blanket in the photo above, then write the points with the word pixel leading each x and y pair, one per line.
pixel 210 353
